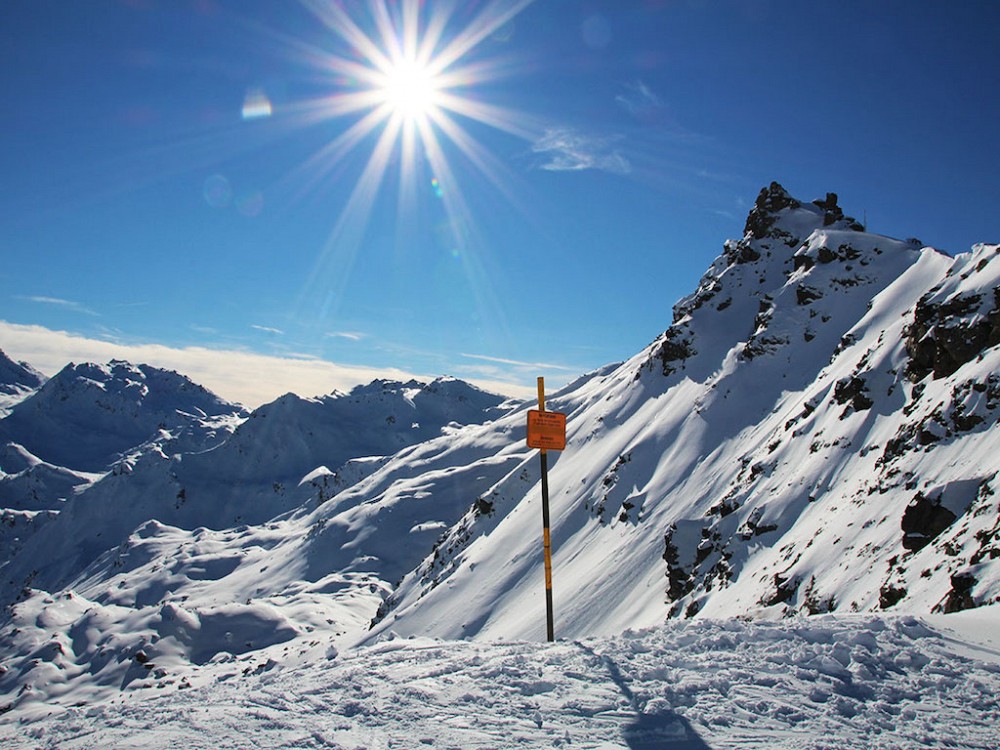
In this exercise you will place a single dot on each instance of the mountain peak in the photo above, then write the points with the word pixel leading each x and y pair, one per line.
pixel 17 377
pixel 88 414
pixel 771 200
pixel 770 267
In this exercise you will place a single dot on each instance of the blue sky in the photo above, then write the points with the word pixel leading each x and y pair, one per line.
pixel 180 183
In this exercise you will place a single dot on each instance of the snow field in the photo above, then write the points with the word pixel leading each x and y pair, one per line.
pixel 817 683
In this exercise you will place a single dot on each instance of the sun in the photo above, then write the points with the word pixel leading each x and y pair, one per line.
pixel 411 89
pixel 409 74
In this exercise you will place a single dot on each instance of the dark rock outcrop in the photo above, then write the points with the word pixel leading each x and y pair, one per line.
pixel 922 521
pixel 945 334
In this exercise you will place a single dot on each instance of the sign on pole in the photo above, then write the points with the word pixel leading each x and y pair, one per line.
pixel 546 431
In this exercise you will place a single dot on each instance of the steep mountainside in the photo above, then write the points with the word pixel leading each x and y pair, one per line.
pixel 815 432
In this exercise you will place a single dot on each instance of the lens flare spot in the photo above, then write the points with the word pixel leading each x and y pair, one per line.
pixel 217 191
pixel 436 187
pixel 256 105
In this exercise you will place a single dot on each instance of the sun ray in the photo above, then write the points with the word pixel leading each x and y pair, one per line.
pixel 334 265
pixel 340 22
pixel 487 22
pixel 485 164
pixel 330 156
pixel 466 242
pixel 406 74
pixel 495 117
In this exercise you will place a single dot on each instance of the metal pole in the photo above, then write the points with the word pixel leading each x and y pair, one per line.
pixel 546 537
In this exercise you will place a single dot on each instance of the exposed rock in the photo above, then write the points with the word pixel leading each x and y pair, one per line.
pixel 890 596
pixel 855 391
pixel 674 348
pixel 923 520
pixel 679 580
pixel 740 252
pixel 960 596
pixel 784 590
pixel 805 294
pixel 944 335
pixel 770 201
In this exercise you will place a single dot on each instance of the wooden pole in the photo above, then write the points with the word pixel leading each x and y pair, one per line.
pixel 546 537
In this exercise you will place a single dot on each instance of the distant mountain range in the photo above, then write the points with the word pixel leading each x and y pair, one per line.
pixel 814 432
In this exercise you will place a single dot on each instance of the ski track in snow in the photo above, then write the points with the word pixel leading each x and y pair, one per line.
pixel 826 682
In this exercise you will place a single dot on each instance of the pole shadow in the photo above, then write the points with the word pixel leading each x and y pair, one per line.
pixel 664 730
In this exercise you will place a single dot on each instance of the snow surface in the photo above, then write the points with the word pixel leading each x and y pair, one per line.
pixel 821 683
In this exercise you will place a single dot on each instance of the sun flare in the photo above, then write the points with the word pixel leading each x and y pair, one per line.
pixel 407 80
pixel 411 89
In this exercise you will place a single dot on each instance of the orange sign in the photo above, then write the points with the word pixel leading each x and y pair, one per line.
pixel 546 429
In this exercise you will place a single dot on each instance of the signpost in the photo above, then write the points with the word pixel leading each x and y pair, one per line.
pixel 546 431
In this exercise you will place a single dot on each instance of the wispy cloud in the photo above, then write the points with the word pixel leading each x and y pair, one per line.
pixel 654 114
pixel 349 335
pixel 639 100
pixel 59 302
pixel 268 329
pixel 518 363
pixel 568 150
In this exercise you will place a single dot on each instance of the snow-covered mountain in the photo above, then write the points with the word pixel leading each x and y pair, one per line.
pixel 90 419
pixel 88 416
pixel 18 377
pixel 17 380
pixel 815 432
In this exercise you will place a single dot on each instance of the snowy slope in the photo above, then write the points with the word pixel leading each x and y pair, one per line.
pixel 767 455
pixel 17 381
pixel 18 378
pixel 828 683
